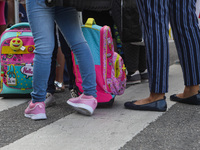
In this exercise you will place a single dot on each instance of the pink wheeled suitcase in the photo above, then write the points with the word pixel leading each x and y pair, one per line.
pixel 16 57
pixel 109 66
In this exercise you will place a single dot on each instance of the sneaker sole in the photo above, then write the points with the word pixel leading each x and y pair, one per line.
pixel 36 117
pixel 145 80
pixel 133 82
pixel 82 108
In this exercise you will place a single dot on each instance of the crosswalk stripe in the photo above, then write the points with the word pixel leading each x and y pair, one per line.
pixel 9 103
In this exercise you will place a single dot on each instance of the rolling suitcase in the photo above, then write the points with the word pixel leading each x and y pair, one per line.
pixel 109 66
pixel 16 50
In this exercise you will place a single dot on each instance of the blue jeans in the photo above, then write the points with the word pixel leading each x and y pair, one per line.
pixel 41 19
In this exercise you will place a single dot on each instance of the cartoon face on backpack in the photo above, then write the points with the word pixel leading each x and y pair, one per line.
pixel 16 44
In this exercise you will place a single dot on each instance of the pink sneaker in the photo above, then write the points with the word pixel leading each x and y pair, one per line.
pixel 83 104
pixel 35 111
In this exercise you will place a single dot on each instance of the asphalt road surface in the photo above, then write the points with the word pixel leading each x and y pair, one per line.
pixel 111 128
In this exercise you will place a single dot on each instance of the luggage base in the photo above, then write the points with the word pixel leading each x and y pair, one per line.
pixel 106 104
pixel 15 95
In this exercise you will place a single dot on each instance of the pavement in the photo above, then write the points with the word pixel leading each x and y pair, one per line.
pixel 114 128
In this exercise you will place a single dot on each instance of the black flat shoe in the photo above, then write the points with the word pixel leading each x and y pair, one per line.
pixel 159 105
pixel 193 100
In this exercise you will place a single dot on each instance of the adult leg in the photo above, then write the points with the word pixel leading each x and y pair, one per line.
pixel 155 21
pixel 131 54
pixel 142 59
pixel 11 13
pixel 143 63
pixel 187 39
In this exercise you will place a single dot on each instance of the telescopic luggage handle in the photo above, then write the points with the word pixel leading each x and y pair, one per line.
pixel 21 24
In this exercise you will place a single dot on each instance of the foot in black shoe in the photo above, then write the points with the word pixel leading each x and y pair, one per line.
pixel 144 75
pixel 133 78
pixel 193 100
pixel 159 105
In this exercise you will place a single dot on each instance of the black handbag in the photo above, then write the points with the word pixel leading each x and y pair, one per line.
pixel 80 5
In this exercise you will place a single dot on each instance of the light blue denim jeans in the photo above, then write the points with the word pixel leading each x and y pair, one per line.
pixel 41 19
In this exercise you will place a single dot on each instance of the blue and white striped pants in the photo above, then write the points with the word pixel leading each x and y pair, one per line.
pixel 155 16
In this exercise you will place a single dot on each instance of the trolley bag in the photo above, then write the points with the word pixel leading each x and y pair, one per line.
pixel 16 50
pixel 109 66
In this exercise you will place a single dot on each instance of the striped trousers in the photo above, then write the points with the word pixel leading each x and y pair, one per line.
pixel 155 16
